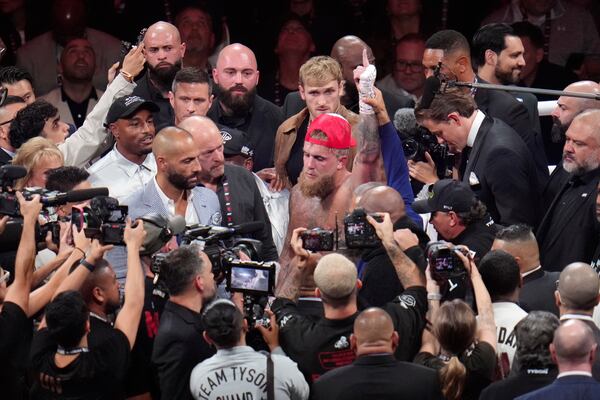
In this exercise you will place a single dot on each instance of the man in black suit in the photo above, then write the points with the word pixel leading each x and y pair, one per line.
pixel 450 50
pixel 8 109
pixel 573 350
pixel 498 168
pixel 533 367
pixel 576 297
pixel 537 292
pixel 568 231
pixel 348 52
pixel 376 373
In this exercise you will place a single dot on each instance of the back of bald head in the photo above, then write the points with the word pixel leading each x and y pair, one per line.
pixel 236 48
pixel 199 127
pixel 170 140
pixel 573 342
pixel 162 26
pixel 350 43
pixel 590 87
pixel 578 286
pixel 373 326
pixel 383 199
pixel 589 119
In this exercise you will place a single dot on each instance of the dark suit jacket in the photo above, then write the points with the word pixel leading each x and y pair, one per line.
pixel 537 292
pixel 504 106
pixel 502 174
pixel 293 103
pixel 570 387
pixel 521 383
pixel 378 377
pixel 5 158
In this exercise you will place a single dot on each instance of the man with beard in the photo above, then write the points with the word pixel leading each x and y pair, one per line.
pixel 164 51
pixel 567 231
pixel 76 96
pixel 178 347
pixel 239 107
pixel 498 54
pixel 174 190
pixel 196 28
pixel 130 164
pixel 567 108
pixel 240 198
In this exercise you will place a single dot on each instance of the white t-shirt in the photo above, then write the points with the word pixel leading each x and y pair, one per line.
pixel 507 315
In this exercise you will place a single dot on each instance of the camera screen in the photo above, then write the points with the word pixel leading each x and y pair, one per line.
pixel 356 228
pixel 444 263
pixel 118 215
pixel 250 279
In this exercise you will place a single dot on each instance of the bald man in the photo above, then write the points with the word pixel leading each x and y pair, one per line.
pixel 537 292
pixel 376 373
pixel 238 106
pixel 576 296
pixel 574 351
pixel 319 344
pixel 163 51
pixel 567 231
pixel 174 191
pixel 239 196
pixel 380 281
pixel 348 52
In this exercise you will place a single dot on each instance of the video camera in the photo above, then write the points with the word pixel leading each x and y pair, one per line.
pixel 418 141
pixel 358 233
pixel 104 219
pixel 447 269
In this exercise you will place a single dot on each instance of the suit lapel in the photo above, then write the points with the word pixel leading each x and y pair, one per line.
pixel 476 150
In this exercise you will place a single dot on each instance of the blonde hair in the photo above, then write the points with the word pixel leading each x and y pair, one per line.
pixel 31 153
pixel 319 70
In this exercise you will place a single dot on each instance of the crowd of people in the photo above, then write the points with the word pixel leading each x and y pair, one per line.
pixel 368 219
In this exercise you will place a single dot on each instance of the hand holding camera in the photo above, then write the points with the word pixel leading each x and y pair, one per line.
pixel 406 238
pixel 383 227
pixel 133 236
pixel 297 247
pixel 97 251
pixel 30 209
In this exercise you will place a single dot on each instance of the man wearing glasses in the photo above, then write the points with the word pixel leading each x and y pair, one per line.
pixel 8 109
pixel 408 77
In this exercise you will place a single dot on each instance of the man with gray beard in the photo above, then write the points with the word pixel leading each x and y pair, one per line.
pixel 567 231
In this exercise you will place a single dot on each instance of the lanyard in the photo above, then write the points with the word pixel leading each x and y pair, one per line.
pixel 69 352
pixel 227 197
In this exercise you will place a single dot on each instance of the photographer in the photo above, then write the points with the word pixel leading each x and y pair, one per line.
pixel 15 306
pixel 460 345
pixel 178 346
pixel 62 361
pixel 226 329
pixel 322 344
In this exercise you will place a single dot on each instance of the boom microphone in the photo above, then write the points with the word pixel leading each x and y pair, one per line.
pixel 248 227
pixel 405 121
pixel 73 196
pixel 177 224
pixel 12 172
pixel 430 89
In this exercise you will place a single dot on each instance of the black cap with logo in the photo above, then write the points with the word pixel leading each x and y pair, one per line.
pixel 126 106
pixel 446 195
pixel 235 142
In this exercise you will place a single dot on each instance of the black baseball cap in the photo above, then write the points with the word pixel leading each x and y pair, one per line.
pixel 446 195
pixel 126 106
pixel 235 142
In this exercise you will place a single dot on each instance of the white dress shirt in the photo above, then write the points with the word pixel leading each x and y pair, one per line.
pixel 191 217
pixel 121 176
pixel 475 127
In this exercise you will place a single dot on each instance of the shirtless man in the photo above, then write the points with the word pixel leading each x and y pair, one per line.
pixel 325 185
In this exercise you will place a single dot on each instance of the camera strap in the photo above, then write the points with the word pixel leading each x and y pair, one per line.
pixel 69 352
pixel 227 197
pixel 270 379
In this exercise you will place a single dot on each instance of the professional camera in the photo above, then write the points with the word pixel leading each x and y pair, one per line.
pixel 256 281
pixel 318 239
pixel 447 269
pixel 359 232
pixel 104 219
pixel 418 141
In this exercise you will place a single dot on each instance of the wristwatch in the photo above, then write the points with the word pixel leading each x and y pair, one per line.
pixel 87 264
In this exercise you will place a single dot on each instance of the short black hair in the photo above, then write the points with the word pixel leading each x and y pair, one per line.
pixel 64 179
pixel 223 323
pixel 500 273
pixel 191 75
pixel 449 41
pixel 66 317
pixel 515 233
pixel 180 267
pixel 29 122
pixel 489 37
pixel 12 100
pixel 11 75
pixel 528 30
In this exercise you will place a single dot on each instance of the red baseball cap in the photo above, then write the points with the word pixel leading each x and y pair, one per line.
pixel 335 127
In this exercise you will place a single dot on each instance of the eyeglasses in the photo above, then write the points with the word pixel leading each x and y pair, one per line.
pixel 7 122
pixel 413 66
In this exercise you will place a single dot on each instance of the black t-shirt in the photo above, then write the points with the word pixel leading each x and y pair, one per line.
pixel 324 344
pixel 480 362
pixel 92 375
pixel 15 336
pixel 295 162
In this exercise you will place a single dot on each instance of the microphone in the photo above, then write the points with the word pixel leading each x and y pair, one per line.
pixel 12 172
pixel 430 89
pixel 248 227
pixel 73 196
pixel 177 224
pixel 405 121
